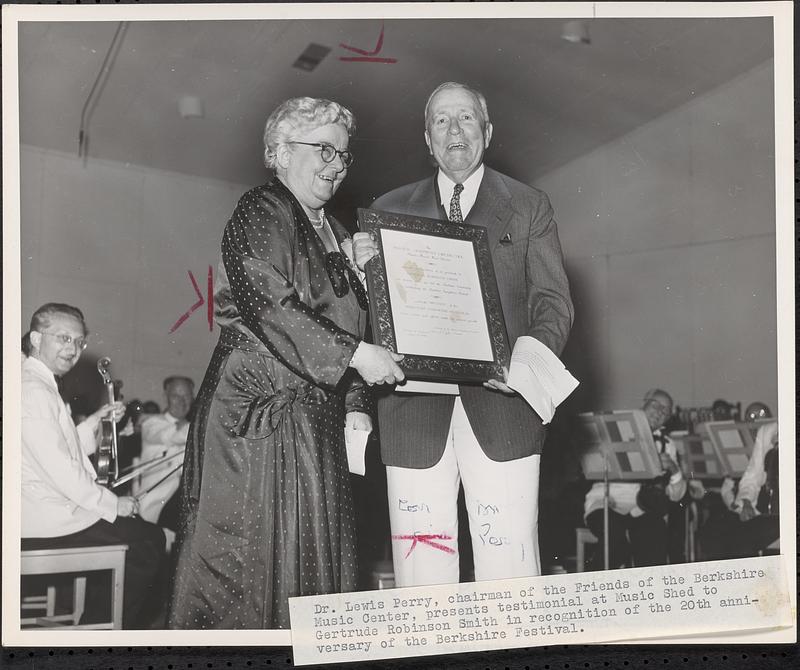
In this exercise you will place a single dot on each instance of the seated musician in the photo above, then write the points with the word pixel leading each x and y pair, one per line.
pixel 637 512
pixel 62 503
pixel 164 435
pixel 130 437
pixel 149 407
pixel 753 522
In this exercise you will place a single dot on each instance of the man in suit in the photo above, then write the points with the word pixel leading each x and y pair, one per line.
pixel 486 437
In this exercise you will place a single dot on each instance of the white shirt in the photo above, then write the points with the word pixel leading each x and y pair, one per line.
pixel 754 476
pixel 156 485
pixel 622 495
pixel 468 196
pixel 59 493
pixel 161 435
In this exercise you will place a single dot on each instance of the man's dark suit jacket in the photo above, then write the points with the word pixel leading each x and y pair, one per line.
pixel 534 294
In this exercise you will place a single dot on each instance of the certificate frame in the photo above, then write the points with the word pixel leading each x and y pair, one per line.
pixel 435 367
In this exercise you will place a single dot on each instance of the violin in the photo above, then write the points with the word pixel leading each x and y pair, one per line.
pixel 107 463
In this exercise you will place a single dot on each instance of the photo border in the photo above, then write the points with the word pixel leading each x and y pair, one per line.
pixel 763 653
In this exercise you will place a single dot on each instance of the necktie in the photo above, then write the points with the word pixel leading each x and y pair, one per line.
pixel 455 204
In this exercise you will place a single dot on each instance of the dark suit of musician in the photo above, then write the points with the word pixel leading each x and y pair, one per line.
pixel 488 438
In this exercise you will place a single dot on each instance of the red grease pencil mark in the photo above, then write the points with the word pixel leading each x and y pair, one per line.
pixel 425 539
pixel 358 59
pixel 210 301
pixel 200 301
pixel 366 56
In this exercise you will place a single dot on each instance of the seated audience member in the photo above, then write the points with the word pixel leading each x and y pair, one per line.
pixel 164 435
pixel 751 522
pixel 62 504
pixel 637 525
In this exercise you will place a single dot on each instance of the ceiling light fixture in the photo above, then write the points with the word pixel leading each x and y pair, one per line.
pixel 311 57
pixel 576 32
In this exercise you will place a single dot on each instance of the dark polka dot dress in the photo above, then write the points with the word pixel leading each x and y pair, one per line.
pixel 266 506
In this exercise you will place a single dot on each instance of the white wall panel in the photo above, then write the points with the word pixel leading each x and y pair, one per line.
pixel 734 299
pixel 650 326
pixel 90 217
pixel 118 242
pixel 682 210
pixel 31 167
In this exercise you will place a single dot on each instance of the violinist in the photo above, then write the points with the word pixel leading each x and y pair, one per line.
pixel 753 522
pixel 757 500
pixel 62 503
pixel 638 511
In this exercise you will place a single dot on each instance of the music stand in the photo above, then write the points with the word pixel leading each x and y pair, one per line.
pixel 733 443
pixel 702 463
pixel 699 456
pixel 617 445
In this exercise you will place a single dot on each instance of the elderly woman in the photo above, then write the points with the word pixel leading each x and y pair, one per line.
pixel 266 505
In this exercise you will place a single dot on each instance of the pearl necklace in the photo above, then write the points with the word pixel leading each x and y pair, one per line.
pixel 318 223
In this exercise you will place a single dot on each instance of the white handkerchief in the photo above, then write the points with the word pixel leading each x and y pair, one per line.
pixel 356 443
pixel 538 375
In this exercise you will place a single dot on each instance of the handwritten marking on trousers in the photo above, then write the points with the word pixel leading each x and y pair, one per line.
pixel 426 539
pixel 493 540
pixel 405 506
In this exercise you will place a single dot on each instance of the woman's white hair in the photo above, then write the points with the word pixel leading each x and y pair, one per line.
pixel 297 116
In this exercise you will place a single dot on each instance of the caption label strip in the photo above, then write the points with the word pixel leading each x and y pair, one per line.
pixel 664 601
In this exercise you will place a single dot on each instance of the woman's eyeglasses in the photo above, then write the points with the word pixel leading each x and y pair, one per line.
pixel 66 340
pixel 329 152
pixel 343 278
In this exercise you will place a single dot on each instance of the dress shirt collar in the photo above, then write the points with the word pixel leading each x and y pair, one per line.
pixel 468 195
pixel 170 418
pixel 38 368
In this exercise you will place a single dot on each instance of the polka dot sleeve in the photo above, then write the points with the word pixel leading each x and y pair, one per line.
pixel 262 253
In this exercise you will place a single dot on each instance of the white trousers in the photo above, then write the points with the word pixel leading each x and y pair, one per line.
pixel 502 504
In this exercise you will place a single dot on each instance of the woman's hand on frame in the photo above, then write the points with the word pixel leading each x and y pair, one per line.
pixel 364 249
pixel 377 365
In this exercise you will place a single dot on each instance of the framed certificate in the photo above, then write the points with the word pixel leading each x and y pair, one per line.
pixel 434 298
